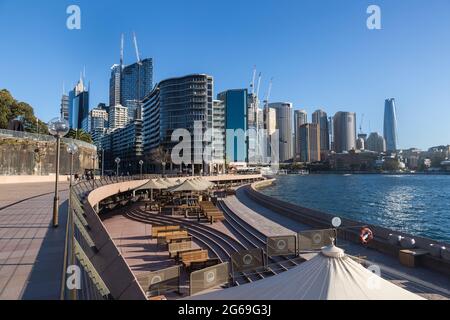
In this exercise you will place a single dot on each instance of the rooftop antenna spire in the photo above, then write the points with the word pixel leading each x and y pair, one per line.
pixel 136 48
pixel 121 50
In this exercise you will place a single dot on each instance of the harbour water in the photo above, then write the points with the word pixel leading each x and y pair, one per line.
pixel 415 204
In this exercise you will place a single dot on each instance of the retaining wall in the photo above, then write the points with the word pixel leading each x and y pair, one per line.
pixel 318 219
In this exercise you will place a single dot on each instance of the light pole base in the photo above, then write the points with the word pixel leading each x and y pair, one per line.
pixel 55 212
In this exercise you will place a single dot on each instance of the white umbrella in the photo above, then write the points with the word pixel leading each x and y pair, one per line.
pixel 152 185
pixel 331 275
pixel 169 182
pixel 188 185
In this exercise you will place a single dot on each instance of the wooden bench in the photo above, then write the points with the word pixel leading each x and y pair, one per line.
pixel 178 238
pixel 164 234
pixel 197 256
pixel 177 256
pixel 157 229
pixel 410 257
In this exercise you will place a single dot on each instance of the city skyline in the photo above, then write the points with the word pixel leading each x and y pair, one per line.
pixel 347 69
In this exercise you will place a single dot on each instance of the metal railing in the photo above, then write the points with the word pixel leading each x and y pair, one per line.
pixel 81 281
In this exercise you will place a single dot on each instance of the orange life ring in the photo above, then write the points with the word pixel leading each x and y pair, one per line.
pixel 366 235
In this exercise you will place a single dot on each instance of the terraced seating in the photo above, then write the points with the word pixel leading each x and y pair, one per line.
pixel 187 258
pixel 157 229
pixel 175 248
pixel 211 211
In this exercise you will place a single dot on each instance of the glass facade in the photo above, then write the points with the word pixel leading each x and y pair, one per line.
pixel 236 112
pixel 390 125
pixel 136 81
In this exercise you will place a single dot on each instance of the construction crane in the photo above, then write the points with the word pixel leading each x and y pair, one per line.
pixel 137 49
pixel 361 124
pixel 252 85
pixel 259 84
pixel 121 51
pixel 269 92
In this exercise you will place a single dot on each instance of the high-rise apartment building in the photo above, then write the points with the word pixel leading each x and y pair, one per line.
pixel 310 142
pixel 300 118
pixel 118 117
pixel 180 103
pixel 218 137
pixel 390 125
pixel 320 117
pixel 344 128
pixel 375 142
pixel 284 126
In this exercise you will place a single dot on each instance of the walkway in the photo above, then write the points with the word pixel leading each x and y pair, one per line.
pixel 410 279
pixel 31 251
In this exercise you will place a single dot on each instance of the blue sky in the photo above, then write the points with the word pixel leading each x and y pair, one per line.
pixel 319 52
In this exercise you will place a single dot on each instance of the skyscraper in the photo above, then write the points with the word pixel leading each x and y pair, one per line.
pixel 79 106
pixel 236 119
pixel 310 142
pixel 390 125
pixel 300 118
pixel 65 107
pixel 344 128
pixel 284 125
pixel 136 81
pixel 114 85
pixel 320 117
pixel 129 85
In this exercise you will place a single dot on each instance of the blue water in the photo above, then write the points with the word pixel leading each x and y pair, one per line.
pixel 415 204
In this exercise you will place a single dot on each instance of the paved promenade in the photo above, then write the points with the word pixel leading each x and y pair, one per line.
pixel 31 251
pixel 428 284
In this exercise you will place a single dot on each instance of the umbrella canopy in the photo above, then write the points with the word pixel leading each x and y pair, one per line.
pixel 188 185
pixel 152 185
pixel 205 183
pixel 331 275
pixel 169 182
pixel 164 183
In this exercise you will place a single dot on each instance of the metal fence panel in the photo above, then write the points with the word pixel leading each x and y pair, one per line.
pixel 247 260
pixel 316 239
pixel 281 246
pixel 150 279
pixel 209 278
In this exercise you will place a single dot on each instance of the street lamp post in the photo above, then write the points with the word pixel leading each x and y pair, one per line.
pixel 58 128
pixel 141 163
pixel 93 157
pixel 117 167
pixel 103 161
pixel 164 168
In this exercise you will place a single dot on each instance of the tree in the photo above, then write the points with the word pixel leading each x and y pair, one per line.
pixel 6 101
pixel 161 156
pixel 79 134
pixel 11 109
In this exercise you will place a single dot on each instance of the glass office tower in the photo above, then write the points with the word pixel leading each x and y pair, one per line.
pixel 390 125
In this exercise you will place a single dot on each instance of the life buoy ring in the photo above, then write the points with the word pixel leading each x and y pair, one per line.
pixel 366 235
